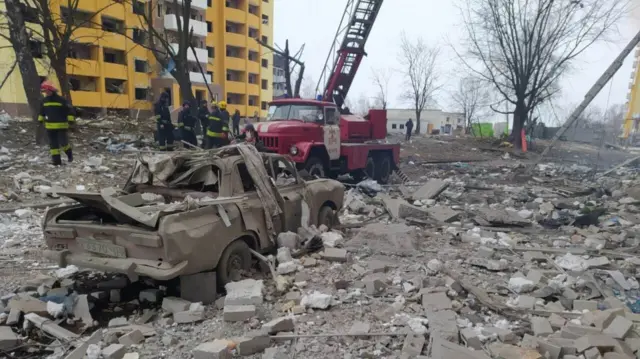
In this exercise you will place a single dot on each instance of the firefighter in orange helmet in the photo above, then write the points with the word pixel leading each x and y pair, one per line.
pixel 57 116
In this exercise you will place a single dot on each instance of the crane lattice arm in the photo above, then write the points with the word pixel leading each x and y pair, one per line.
pixel 347 50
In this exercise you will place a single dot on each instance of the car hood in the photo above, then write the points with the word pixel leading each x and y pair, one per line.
pixel 285 127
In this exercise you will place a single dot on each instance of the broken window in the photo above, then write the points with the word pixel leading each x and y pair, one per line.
pixel 282 172
pixel 141 65
pixel 115 86
pixel 138 7
pixel 141 93
pixel 245 177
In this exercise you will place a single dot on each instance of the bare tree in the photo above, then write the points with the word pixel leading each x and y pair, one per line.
pixel 471 97
pixel 418 62
pixel 308 88
pixel 524 47
pixel 361 106
pixel 380 78
pixel 19 39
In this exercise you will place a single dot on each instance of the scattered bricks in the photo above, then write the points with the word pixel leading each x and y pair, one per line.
pixel 592 353
pixel 8 339
pixel 238 313
pixel 175 305
pixel 14 316
pixel 436 301
pixel 619 327
pixel 526 302
pixel 113 351
pixel 471 338
pixel 252 344
pixel 244 292
pixel 274 353
pixel 279 325
pixel 200 287
pixel 583 305
pixel 150 295
pixel 556 321
pixel 443 324
pixel 413 344
pixel 114 296
pixel 194 314
pixel 549 350
pixel 131 338
pixel 335 255
pixel 613 303
pixel 216 349
pixel 374 286
pixel 360 328
pixel 604 318
pixel 604 343
pixel 541 327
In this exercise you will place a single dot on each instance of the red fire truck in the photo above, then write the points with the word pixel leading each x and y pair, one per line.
pixel 322 136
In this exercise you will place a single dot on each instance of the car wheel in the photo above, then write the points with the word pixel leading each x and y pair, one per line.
pixel 235 260
pixel 315 167
pixel 326 216
pixel 384 169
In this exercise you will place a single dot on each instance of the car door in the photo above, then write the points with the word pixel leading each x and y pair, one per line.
pixel 332 132
pixel 284 175
pixel 251 209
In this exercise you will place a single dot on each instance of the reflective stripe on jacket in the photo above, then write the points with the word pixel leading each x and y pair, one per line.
pixel 55 113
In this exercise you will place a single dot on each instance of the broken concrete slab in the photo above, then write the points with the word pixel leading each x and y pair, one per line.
pixel 335 254
pixel 8 339
pixel 174 304
pixel 360 328
pixel 526 302
pixel 436 301
pixel 132 338
pixel 541 327
pixel 28 304
pixel 501 217
pixel 413 344
pixel 445 349
pixel 443 323
pixel 81 310
pixel 619 327
pixel 471 338
pixel 217 349
pixel 603 342
pixel 50 327
pixel 279 325
pixel 508 351
pixel 14 317
pixel 253 343
pixel 582 305
pixel 199 287
pixel 238 313
pixel 556 321
pixel 492 265
pixel 430 190
pixel 392 204
pixel 114 351
pixel 244 292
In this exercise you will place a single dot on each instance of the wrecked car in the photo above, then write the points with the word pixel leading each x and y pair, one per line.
pixel 185 213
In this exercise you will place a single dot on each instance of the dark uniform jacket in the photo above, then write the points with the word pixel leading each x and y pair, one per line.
pixel 224 117
pixel 215 128
pixel 186 121
pixel 163 116
pixel 55 113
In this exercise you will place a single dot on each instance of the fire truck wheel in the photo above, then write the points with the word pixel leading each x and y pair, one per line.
pixel 370 168
pixel 384 169
pixel 315 167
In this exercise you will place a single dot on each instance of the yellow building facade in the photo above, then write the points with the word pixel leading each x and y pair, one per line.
pixel 111 68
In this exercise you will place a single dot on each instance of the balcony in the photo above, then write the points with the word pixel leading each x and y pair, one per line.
pixel 235 63
pixel 115 71
pixel 235 87
pixel 199 27
pixel 196 4
pixel 237 40
pixel 197 78
pixel 235 15
pixel 116 100
pixel 86 98
pixel 82 67
pixel 202 54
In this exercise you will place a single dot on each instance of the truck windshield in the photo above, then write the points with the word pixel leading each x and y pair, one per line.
pixel 306 113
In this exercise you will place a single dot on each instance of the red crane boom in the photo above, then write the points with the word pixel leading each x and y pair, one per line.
pixel 354 29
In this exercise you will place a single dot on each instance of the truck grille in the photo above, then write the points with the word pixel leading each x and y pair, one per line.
pixel 269 142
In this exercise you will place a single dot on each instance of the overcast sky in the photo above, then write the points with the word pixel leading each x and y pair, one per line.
pixel 314 22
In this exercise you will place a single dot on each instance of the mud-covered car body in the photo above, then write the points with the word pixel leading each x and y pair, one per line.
pixel 172 220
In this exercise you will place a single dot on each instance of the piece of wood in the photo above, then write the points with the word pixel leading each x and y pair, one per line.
pixel 50 327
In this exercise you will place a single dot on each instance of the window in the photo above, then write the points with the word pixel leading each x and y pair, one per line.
pixel 36 49
pixel 210 52
pixel 209 4
pixel 263 105
pixel 265 84
pixel 114 86
pixel 253 33
pixel 253 56
pixel 139 36
pixel 265 63
pixel 265 19
pixel 245 178
pixel 210 75
pixel 282 171
pixel 159 10
pixel 252 100
pixel 394 126
pixel 253 78
pixel 142 93
pixel 401 126
pixel 141 65
pixel 331 115
pixel 265 40
pixel 138 7
pixel 209 26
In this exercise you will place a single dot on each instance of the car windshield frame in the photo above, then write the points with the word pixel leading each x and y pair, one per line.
pixel 291 112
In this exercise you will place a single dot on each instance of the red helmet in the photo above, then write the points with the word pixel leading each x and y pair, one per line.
pixel 48 86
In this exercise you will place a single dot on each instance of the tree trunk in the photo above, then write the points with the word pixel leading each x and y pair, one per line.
pixel 417 129
pixel 26 64
pixel 186 92
pixel 519 119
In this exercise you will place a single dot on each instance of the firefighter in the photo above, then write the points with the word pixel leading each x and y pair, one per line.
pixel 250 135
pixel 186 124
pixel 235 120
pixel 214 135
pixel 56 115
pixel 224 117
pixel 163 123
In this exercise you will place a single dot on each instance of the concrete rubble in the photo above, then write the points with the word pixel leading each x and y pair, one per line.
pixel 465 260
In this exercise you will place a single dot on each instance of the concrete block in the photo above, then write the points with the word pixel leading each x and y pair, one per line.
pixel 8 339
pixel 619 327
pixel 443 324
pixel 238 313
pixel 274 353
pixel 374 286
pixel 293 296
pixel 633 343
pixel 485 252
pixel 436 301
pixel 244 292
pixel 549 350
pixel 541 327
pixel 600 341
pixel 118 322
pixel 613 303
pixel 612 355
pixel 188 316
pixel 504 335
pixel 14 316
pixel 216 349
pixel 132 338
pixel 175 305
pixel 556 321
pixel 199 287
pixel 568 345
pixel 114 351
pixel 604 318
pixel 582 305
pixel 252 344
pixel 471 338
pixel 131 356
pixel 535 276
pixel 526 302
pixel 150 295
pixel 335 255
pixel 413 344
pixel 279 325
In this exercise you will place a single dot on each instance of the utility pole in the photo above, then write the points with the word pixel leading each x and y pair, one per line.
pixel 288 69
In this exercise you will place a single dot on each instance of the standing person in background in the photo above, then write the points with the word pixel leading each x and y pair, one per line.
pixel 256 117
pixel 163 123
pixel 56 115
pixel 203 117
pixel 409 127
pixel 224 116
pixel 236 123
pixel 186 124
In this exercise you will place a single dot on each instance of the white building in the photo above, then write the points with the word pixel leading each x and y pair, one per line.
pixel 433 119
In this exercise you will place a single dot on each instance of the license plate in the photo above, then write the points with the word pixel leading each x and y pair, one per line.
pixel 107 249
